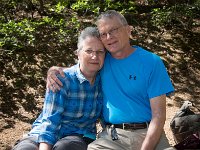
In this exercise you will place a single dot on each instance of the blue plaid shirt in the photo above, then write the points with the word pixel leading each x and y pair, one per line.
pixel 72 110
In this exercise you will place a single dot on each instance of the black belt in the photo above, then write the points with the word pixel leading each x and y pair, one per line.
pixel 133 126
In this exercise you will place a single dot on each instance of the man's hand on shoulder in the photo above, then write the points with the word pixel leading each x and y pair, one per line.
pixel 53 83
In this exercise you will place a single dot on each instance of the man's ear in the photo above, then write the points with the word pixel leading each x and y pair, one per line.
pixel 129 29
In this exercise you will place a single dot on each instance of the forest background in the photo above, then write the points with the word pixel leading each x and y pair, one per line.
pixel 37 34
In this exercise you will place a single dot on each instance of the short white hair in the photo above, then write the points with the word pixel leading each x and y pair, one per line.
pixel 87 32
pixel 110 14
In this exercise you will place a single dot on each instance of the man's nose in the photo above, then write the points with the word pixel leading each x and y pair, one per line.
pixel 108 35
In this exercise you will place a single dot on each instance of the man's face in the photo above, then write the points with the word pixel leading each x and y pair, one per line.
pixel 114 35
pixel 92 55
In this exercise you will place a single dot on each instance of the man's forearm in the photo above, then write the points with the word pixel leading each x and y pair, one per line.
pixel 153 135
pixel 154 132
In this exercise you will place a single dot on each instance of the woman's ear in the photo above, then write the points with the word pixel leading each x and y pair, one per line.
pixel 76 52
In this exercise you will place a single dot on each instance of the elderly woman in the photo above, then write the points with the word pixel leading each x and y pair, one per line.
pixel 68 119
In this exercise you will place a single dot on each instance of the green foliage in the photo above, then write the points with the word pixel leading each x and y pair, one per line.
pixel 19 31
pixel 181 15
pixel 15 35
pixel 23 34
pixel 59 7
pixel 123 7
pixel 96 7
pixel 85 6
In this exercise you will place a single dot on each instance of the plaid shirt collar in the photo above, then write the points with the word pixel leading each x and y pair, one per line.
pixel 81 77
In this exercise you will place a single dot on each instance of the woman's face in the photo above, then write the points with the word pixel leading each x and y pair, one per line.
pixel 91 56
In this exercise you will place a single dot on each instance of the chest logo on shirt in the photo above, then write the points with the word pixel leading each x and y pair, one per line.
pixel 132 77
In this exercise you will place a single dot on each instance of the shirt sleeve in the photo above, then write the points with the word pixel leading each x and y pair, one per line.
pixel 52 113
pixel 159 81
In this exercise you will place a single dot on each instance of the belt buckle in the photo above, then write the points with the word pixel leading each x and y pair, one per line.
pixel 123 126
pixel 126 126
pixel 147 124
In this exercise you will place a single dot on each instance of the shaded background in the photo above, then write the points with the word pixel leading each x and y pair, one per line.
pixel 35 35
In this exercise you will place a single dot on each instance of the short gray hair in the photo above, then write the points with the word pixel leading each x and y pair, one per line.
pixel 87 32
pixel 110 14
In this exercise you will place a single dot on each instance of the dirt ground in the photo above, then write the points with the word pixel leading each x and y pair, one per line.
pixel 13 127
pixel 10 135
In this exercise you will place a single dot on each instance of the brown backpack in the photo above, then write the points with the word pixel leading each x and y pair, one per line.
pixel 185 123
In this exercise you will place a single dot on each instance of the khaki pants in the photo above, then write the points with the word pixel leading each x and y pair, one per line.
pixel 128 140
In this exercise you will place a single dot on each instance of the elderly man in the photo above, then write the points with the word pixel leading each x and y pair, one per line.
pixel 135 84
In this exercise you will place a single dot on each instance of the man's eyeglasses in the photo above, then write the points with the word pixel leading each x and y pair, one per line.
pixel 112 32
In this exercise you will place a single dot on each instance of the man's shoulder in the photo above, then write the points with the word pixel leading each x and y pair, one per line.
pixel 147 55
pixel 145 52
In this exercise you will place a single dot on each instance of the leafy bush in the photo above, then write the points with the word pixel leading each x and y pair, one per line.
pixel 96 7
pixel 15 35
pixel 61 19
pixel 179 15
pixel 22 34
